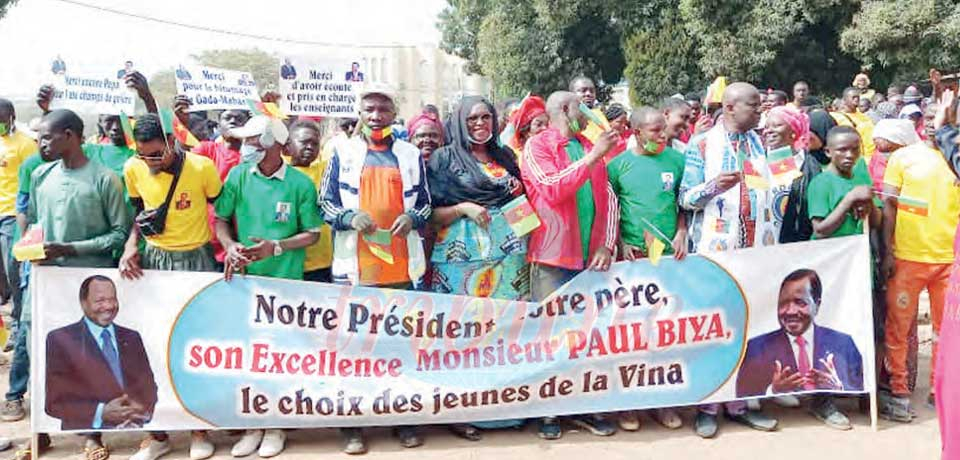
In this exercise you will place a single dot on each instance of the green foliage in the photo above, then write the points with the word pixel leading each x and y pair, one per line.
pixel 534 46
pixel 905 37
pixel 662 60
pixel 5 5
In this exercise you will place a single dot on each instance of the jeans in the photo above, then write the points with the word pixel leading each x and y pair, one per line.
pixel 545 279
pixel 10 265
pixel 733 408
pixel 19 365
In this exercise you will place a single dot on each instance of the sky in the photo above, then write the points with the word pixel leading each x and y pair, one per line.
pixel 36 31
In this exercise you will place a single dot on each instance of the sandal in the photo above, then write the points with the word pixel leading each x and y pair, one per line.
pixel 96 453
pixel 465 431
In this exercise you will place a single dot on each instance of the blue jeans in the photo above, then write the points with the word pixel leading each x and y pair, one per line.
pixel 20 364
pixel 545 279
pixel 10 265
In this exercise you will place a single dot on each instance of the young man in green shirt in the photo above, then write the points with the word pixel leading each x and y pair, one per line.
pixel 79 205
pixel 267 215
pixel 646 180
pixel 839 199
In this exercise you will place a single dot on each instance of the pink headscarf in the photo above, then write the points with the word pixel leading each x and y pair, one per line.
pixel 799 122
pixel 423 119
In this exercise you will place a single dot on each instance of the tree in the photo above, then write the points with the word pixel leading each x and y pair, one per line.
pixel 662 60
pixel 905 37
pixel 535 46
pixel 5 5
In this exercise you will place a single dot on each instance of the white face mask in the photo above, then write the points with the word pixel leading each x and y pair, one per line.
pixel 251 154
pixel 474 141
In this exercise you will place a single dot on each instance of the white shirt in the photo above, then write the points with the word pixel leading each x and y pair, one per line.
pixel 808 347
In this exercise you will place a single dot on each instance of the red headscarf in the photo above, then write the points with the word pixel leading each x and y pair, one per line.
pixel 424 118
pixel 531 107
pixel 799 123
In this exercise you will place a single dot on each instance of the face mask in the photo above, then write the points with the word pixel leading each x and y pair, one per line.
pixel 251 154
pixel 3 129
pixel 377 134
pixel 653 147
pixel 473 141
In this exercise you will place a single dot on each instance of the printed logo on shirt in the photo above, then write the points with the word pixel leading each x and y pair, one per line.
pixel 282 214
pixel 183 202
pixel 667 179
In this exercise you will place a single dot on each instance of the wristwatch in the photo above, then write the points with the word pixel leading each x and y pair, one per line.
pixel 277 249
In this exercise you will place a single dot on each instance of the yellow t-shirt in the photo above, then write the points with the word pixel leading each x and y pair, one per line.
pixel 929 205
pixel 319 254
pixel 14 148
pixel 864 125
pixel 186 228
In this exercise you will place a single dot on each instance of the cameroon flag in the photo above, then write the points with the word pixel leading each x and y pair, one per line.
pixel 172 125
pixel 752 177
pixel 520 216
pixel 913 206
pixel 783 166
pixel 655 247
pixel 30 246
pixel 380 242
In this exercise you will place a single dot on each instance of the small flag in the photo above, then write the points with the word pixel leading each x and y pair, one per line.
pixel 183 134
pixel 379 243
pixel 593 117
pixel 654 147
pixel 783 166
pixel 520 216
pixel 127 131
pixel 715 91
pixel 721 226
pixel 913 206
pixel 30 246
pixel 655 247
pixel 752 177
pixel 166 120
pixel 269 109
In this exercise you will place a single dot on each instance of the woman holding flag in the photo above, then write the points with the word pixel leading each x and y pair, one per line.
pixel 479 252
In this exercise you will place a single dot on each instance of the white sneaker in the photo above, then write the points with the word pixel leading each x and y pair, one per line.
pixel 753 404
pixel 151 449
pixel 247 444
pixel 790 401
pixel 272 444
pixel 200 447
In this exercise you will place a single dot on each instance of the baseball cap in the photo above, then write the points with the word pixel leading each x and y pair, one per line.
pixel 259 126
pixel 910 110
pixel 378 88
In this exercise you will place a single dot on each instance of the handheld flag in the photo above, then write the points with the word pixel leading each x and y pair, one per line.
pixel 593 117
pixel 913 206
pixel 653 147
pixel 172 125
pixel 30 246
pixel 127 131
pixel 379 243
pixel 269 109
pixel 783 166
pixel 753 178
pixel 520 216
pixel 655 247
pixel 715 91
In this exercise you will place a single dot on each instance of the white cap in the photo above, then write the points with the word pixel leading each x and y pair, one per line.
pixel 378 88
pixel 909 110
pixel 265 127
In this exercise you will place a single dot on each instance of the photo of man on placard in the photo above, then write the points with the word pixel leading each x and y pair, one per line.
pixel 801 355
pixel 354 74
pixel 287 70
pixel 98 374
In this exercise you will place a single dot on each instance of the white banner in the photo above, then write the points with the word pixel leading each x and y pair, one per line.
pixel 99 91
pixel 210 88
pixel 320 87
pixel 190 351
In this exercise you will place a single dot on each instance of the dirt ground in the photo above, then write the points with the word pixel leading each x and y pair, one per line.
pixel 800 437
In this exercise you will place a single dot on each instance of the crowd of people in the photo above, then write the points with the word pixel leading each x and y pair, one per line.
pixel 420 207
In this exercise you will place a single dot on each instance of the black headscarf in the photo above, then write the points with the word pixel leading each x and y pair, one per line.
pixel 820 124
pixel 455 175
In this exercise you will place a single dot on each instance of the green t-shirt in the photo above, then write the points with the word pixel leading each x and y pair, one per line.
pixel 585 207
pixel 825 193
pixel 647 187
pixel 23 177
pixel 111 156
pixel 271 209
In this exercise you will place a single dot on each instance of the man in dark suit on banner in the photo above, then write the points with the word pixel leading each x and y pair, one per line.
pixel 98 375
pixel 801 355
pixel 354 74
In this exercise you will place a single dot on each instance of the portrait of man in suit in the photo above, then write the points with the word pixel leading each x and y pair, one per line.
pixel 287 70
pixel 354 74
pixel 97 372
pixel 801 355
